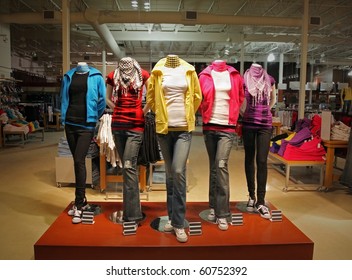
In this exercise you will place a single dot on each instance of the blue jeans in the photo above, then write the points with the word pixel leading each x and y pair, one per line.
pixel 79 140
pixel 175 147
pixel 256 144
pixel 219 145
pixel 128 144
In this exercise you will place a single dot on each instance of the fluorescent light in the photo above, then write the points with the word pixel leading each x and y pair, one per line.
pixel 271 57
pixel 134 4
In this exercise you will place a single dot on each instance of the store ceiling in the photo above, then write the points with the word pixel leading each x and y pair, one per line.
pixel 220 29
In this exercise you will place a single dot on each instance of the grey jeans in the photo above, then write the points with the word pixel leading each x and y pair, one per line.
pixel 175 147
pixel 219 145
pixel 128 144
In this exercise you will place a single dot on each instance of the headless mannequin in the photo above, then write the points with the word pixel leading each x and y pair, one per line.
pixel 172 61
pixel 272 94
pixel 82 68
pixel 219 65
pixel 256 65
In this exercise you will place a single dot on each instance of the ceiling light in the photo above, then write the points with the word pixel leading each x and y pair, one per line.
pixel 271 57
pixel 322 58
pixel 134 4
pixel 147 5
pixel 349 73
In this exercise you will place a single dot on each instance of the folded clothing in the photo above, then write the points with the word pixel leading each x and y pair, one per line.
pixel 311 150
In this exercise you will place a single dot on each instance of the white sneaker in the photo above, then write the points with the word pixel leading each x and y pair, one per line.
pixel 263 211
pixel 77 216
pixel 168 227
pixel 222 223
pixel 181 235
pixel 211 215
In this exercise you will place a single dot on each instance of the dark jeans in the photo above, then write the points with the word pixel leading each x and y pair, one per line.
pixel 219 145
pixel 256 145
pixel 128 144
pixel 175 147
pixel 79 140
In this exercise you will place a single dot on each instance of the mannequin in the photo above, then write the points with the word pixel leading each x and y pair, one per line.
pixel 172 81
pixel 346 95
pixel 257 129
pixel 126 83
pixel 82 104
pixel 82 68
pixel 223 94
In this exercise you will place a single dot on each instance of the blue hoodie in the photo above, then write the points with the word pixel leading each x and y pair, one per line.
pixel 96 95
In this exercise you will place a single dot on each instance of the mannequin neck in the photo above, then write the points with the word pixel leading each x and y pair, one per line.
pixel 219 65
pixel 256 65
pixel 172 61
pixel 82 68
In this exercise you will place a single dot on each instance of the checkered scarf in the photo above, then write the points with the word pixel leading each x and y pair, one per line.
pixel 127 74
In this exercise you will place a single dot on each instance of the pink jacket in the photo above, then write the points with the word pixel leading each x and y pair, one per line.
pixel 208 90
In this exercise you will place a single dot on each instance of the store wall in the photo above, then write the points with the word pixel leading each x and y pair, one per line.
pixel 5 51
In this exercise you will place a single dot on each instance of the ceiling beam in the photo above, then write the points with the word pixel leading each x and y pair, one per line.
pixel 153 17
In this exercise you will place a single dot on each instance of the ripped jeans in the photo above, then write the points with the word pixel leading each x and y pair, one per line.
pixel 128 144
pixel 219 145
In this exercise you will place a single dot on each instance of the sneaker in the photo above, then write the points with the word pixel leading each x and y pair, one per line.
pixel 168 227
pixel 222 223
pixel 85 206
pixel 181 235
pixel 250 205
pixel 263 211
pixel 77 216
pixel 211 215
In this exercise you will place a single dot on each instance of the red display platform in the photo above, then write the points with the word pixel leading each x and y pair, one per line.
pixel 256 239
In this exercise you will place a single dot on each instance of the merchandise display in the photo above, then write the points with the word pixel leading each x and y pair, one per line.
pixel 82 103
pixel 256 132
pixel 223 94
pixel 124 96
pixel 174 95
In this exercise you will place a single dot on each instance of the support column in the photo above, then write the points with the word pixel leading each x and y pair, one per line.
pixel 242 56
pixel 103 69
pixel 65 36
pixel 281 68
pixel 304 50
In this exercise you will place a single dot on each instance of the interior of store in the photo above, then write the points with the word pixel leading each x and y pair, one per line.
pixel 41 40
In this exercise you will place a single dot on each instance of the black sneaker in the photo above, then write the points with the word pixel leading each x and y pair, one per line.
pixel 263 211
pixel 250 205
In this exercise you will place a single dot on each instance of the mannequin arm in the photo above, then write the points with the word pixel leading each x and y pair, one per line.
pixel 109 97
pixel 272 97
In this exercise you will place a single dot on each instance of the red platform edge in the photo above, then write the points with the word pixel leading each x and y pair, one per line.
pixel 256 239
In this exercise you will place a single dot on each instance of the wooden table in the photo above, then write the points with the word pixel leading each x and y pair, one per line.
pixel 55 124
pixel 277 126
pixel 330 146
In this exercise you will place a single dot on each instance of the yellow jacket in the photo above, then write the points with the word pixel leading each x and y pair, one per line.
pixel 346 94
pixel 156 100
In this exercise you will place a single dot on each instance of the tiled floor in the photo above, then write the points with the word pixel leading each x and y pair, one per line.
pixel 30 200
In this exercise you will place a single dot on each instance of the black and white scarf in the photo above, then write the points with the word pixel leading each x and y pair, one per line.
pixel 128 73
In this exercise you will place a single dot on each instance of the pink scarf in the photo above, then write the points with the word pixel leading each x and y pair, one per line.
pixel 219 65
pixel 258 83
